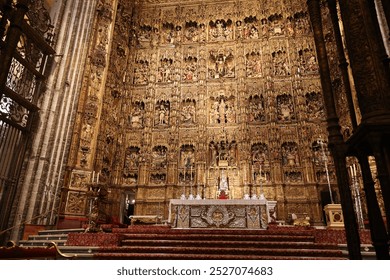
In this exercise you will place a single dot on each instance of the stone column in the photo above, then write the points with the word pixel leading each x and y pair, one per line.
pixel 370 68
pixel 88 123
pixel 377 227
pixel 336 143
pixel 366 52
pixel 386 10
pixel 383 10
pixel 342 59
pixel 382 172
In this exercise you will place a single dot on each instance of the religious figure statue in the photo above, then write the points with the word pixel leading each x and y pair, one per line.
pixel 137 117
pixel 202 35
pixel 222 111
pixel 230 115
pixel 162 112
pixel 188 113
pixel 214 112
pixel 224 183
pixel 254 33
pixel 239 30
pixel 221 64
pixel 86 132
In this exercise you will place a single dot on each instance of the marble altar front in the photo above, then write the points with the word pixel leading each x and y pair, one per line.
pixel 218 213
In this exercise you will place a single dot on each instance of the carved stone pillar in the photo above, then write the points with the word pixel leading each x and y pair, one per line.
pixel 366 52
pixel 342 59
pixel 377 227
pixel 382 172
pixel 386 10
pixel 85 144
pixel 336 143
pixel 370 68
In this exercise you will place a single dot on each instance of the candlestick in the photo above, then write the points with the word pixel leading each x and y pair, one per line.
pixel 260 173
pixel 325 159
pixel 261 179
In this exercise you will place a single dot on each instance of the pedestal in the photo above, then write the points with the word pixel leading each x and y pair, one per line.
pixel 271 204
pixel 334 216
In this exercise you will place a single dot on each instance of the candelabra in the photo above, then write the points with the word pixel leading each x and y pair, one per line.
pixel 261 194
pixel 325 160
pixel 355 190
pixel 188 166
pixel 93 213
pixel 260 175
pixel 96 194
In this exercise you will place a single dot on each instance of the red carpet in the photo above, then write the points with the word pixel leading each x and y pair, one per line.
pixel 162 242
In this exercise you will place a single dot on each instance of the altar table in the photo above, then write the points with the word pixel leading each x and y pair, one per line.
pixel 218 213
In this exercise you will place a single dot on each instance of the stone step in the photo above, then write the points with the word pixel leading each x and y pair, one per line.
pixel 46 237
pixel 228 244
pixel 208 231
pixel 187 256
pixel 367 251
pixel 38 251
pixel 60 231
pixel 216 236
pixel 224 251
pixel 160 242
pixel 61 236
pixel 41 243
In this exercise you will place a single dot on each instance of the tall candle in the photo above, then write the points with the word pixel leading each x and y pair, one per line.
pixel 261 176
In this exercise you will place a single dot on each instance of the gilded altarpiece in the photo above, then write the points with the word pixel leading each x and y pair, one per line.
pixel 200 92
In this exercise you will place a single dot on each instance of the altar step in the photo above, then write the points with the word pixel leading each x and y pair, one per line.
pixel 227 244
pixel 219 237
pixel 195 244
pixel 47 244
pixel 46 237
pixel 222 253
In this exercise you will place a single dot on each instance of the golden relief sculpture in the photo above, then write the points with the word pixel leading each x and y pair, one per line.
pixel 208 90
